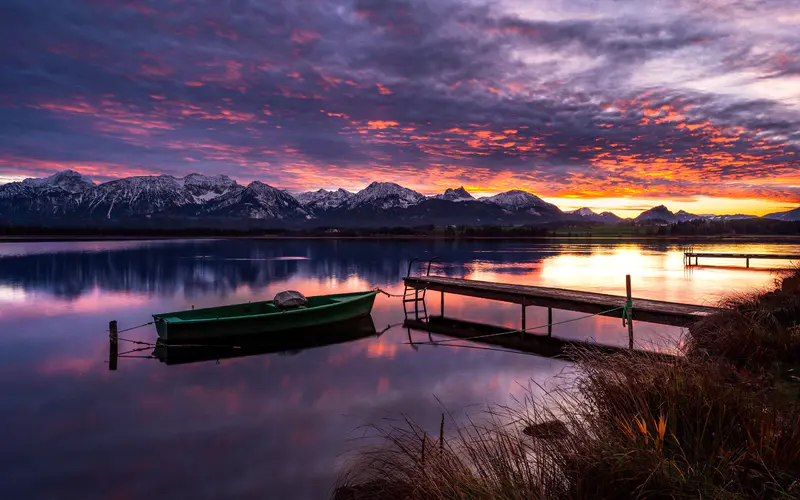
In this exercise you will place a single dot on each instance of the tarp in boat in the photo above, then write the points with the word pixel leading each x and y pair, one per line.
pixel 290 299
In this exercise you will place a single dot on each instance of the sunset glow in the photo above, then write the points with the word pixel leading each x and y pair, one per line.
pixel 602 104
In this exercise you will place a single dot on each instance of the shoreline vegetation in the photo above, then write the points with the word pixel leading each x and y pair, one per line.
pixel 733 230
pixel 722 420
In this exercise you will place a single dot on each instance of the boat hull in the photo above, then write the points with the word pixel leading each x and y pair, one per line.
pixel 342 307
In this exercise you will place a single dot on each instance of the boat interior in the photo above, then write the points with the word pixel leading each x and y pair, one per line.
pixel 249 309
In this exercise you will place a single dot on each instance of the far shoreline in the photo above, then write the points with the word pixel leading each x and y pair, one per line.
pixel 760 238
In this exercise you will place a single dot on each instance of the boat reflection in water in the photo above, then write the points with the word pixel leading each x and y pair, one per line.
pixel 289 342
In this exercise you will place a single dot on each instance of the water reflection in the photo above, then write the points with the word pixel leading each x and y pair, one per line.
pixel 269 425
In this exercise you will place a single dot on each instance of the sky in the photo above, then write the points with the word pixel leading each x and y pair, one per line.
pixel 613 104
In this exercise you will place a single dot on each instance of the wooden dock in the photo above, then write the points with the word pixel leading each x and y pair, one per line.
pixel 688 256
pixel 650 311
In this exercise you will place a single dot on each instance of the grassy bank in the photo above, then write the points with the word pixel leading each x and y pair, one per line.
pixel 721 421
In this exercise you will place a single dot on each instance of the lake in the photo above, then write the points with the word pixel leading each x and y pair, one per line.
pixel 276 425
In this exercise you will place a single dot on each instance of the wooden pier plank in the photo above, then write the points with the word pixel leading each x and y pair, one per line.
pixel 650 311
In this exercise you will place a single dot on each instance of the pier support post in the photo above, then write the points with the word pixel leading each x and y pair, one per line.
pixel 747 260
pixel 524 326
pixel 630 312
pixel 113 345
pixel 549 321
pixel 443 304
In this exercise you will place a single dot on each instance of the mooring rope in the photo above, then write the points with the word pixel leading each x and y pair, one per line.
pixel 134 327
pixel 138 349
pixel 136 342
pixel 397 295
pixel 446 341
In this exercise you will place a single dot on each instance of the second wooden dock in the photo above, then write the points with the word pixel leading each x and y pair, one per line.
pixel 688 256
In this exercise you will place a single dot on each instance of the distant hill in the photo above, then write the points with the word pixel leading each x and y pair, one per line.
pixel 791 215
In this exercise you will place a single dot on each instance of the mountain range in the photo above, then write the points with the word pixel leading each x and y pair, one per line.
pixel 68 197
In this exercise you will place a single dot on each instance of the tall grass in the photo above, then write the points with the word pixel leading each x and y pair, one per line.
pixel 704 425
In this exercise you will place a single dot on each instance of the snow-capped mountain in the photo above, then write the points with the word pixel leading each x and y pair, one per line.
pixel 256 201
pixel 583 212
pixel 68 194
pixel 518 200
pixel 323 200
pixel 791 215
pixel 205 188
pixel 662 213
pixel 459 194
pixel 135 196
pixel 68 180
pixel 728 217
pixel 590 215
pixel 148 195
pixel 68 197
pixel 56 195
pixel 383 196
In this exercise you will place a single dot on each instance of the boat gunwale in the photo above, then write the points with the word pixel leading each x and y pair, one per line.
pixel 349 297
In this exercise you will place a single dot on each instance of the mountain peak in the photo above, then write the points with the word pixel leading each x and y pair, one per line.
pixel 459 194
pixel 519 200
pixel 661 212
pixel 385 195
pixel 516 198
pixel 583 212
pixel 322 199
pixel 69 180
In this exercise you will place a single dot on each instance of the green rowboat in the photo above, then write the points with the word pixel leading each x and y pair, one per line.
pixel 261 317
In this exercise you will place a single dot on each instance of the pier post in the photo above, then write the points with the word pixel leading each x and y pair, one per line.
pixel 747 260
pixel 443 304
pixel 630 312
pixel 549 321
pixel 523 322
pixel 113 345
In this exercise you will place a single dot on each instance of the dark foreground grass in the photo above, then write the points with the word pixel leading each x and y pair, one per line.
pixel 722 421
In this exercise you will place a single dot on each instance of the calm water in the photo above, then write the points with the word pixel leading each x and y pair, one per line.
pixel 274 425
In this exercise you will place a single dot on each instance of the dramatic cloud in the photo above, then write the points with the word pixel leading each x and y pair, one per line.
pixel 600 99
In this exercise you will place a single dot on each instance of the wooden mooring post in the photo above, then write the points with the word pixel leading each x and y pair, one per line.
pixel 113 345
pixel 443 304
pixel 549 321
pixel 630 310
pixel 524 326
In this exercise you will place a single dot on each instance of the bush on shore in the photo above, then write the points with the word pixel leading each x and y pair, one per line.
pixel 721 421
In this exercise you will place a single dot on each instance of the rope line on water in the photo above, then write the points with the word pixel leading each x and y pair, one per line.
pixel 134 327
pixel 136 342
pixel 138 349
pixel 447 341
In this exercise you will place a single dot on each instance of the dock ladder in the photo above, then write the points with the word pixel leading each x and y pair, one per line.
pixel 412 294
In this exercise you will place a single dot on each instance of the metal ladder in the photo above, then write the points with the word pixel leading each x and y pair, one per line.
pixel 411 294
